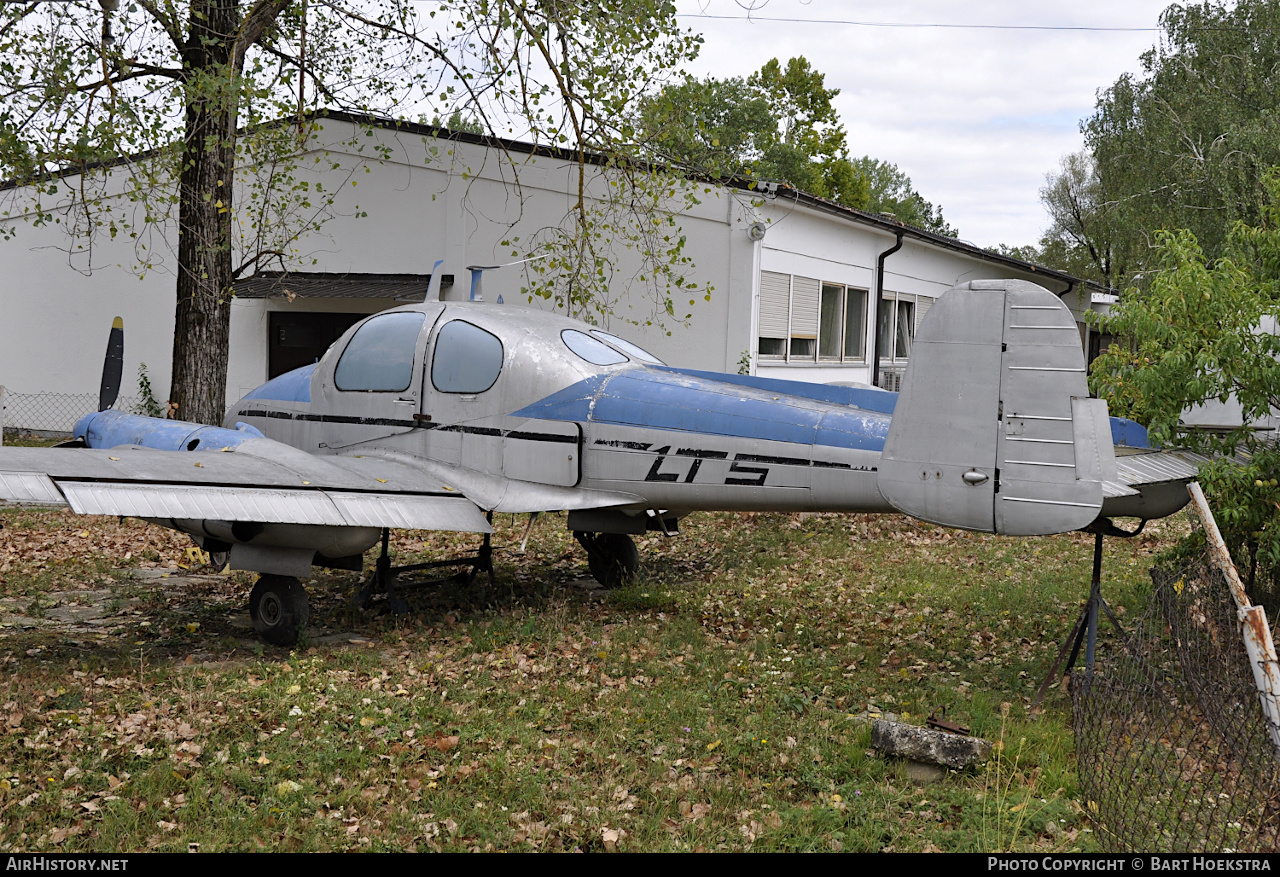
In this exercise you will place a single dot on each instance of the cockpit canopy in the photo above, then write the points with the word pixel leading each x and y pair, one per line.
pixel 464 348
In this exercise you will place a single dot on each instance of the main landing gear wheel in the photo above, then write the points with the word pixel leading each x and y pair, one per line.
pixel 279 609
pixel 611 557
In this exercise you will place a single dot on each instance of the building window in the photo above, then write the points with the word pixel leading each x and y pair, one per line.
pixel 298 338
pixel 807 320
pixel 842 323
pixel 899 315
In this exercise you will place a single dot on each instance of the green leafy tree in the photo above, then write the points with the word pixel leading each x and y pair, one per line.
pixel 777 124
pixel 1083 238
pixel 1186 143
pixel 807 145
pixel 891 191
pixel 720 127
pixel 157 105
pixel 1025 252
pixel 1205 330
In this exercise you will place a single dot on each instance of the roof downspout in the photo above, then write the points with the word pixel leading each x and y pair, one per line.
pixel 1084 309
pixel 875 310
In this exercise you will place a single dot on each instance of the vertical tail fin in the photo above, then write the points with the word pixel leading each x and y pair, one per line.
pixel 994 430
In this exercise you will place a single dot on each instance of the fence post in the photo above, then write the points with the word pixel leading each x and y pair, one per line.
pixel 2 418
pixel 1253 620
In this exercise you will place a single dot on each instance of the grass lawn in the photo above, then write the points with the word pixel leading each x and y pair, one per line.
pixel 721 702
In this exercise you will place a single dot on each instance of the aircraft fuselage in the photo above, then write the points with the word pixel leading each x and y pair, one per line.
pixel 626 434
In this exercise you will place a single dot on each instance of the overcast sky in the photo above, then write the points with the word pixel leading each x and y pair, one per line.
pixel 976 117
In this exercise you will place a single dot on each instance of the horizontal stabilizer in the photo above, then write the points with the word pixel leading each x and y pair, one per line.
pixel 1150 483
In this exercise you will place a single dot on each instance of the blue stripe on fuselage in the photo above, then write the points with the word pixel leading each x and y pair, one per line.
pixel 743 406
pixel 866 398
pixel 687 402
pixel 293 386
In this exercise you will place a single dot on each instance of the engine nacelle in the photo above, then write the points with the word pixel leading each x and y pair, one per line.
pixel 280 549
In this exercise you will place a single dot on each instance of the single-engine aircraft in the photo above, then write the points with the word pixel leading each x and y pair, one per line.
pixel 436 415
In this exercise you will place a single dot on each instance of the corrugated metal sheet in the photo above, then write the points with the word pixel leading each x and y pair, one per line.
pixel 1158 466
pixel 309 284
pixel 1113 489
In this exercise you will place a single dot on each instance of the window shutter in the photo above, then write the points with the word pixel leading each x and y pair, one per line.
pixel 923 303
pixel 806 294
pixel 775 295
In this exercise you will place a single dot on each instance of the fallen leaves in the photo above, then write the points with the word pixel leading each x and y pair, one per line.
pixel 715 708
pixel 694 812
pixel 441 743
pixel 612 838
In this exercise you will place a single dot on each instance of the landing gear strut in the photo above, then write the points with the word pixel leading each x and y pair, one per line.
pixel 279 608
pixel 383 579
pixel 611 557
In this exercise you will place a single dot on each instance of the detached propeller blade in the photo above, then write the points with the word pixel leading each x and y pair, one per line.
pixel 112 367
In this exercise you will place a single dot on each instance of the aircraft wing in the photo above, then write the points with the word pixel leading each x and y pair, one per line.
pixel 259 480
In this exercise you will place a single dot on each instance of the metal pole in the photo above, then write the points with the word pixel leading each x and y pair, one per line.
pixel 1095 598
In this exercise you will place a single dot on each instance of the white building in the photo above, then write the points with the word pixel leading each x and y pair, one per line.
pixel 795 280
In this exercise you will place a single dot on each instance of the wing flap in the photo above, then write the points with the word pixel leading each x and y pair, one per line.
pixel 409 512
pixel 199 502
pixel 29 488
pixel 269 506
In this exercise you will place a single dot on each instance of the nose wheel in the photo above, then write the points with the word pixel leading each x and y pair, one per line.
pixel 279 609
pixel 611 557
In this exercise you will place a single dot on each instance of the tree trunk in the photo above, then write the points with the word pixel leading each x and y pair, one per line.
pixel 202 321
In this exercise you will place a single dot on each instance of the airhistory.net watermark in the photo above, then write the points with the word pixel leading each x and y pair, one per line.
pixel 65 863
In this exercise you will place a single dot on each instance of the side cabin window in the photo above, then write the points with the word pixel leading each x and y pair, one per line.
pixel 467 359
pixel 593 351
pixel 627 347
pixel 379 357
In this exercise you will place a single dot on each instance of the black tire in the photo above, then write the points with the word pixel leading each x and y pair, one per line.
pixel 279 608
pixel 612 558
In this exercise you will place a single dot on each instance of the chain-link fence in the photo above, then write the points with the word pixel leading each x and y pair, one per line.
pixel 50 415
pixel 1175 751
